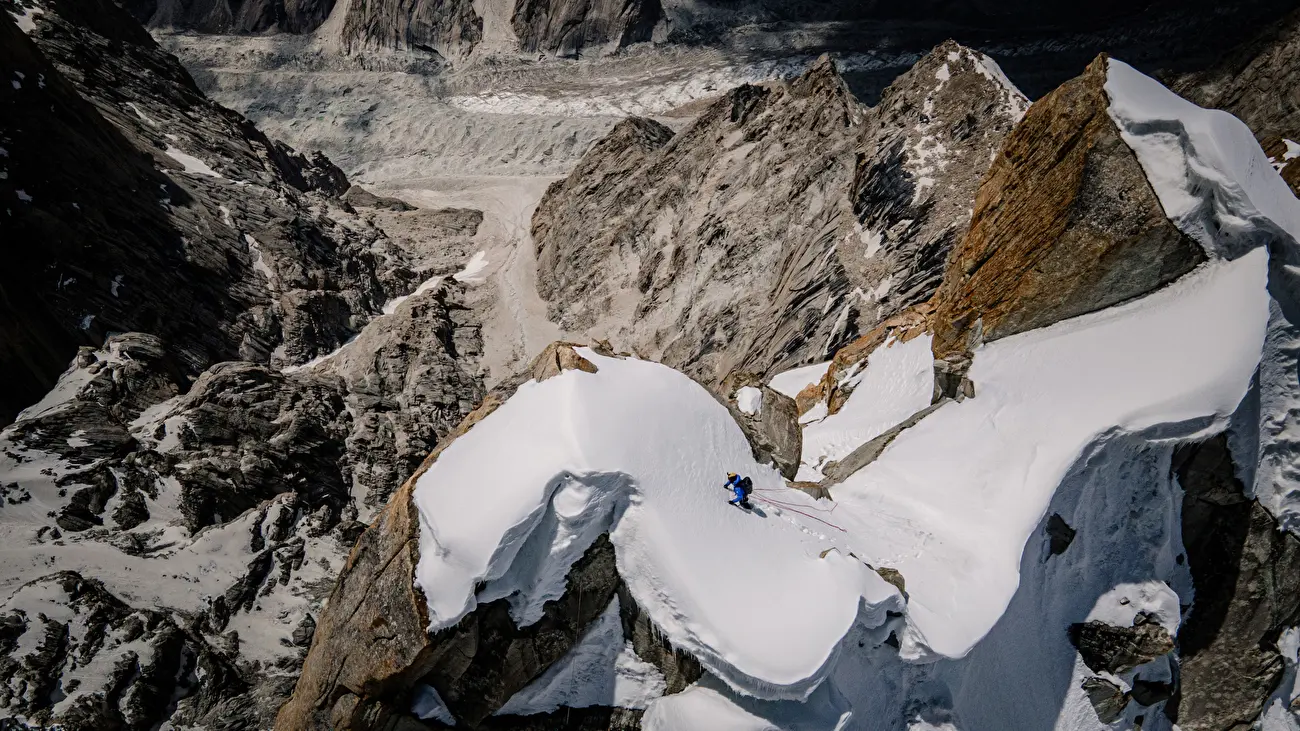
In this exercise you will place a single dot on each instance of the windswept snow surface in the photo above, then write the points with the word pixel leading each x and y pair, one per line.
pixel 953 500
pixel 641 451
pixel 701 708
pixel 897 381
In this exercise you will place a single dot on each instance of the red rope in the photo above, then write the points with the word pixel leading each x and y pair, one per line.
pixel 791 508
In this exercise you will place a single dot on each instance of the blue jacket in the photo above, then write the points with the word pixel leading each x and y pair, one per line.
pixel 737 486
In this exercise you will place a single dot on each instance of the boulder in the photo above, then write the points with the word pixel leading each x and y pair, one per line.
pixel 1114 649
pixel 358 196
pixel 557 358
pixel 1065 223
pixel 1107 699
pixel 769 419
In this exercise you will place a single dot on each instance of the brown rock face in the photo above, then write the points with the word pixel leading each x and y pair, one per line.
pixel 773 432
pixel 557 358
pixel 1065 223
pixel 1246 574
pixel 901 328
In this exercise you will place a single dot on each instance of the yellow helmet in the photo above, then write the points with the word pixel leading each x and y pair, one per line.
pixel 731 474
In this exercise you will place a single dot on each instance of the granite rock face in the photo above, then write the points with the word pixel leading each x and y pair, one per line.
pixel 410 377
pixel 1065 223
pixel 926 147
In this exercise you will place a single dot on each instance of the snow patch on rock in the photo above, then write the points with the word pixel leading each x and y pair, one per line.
pixel 190 163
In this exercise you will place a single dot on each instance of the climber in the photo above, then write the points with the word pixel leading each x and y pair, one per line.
pixel 742 486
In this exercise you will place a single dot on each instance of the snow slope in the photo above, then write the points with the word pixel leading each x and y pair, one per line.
pixel 896 382
pixel 953 500
pixel 1217 186
pixel 641 451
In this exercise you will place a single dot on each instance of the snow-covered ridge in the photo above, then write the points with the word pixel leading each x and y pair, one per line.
pixel 1218 186
pixel 1212 178
pixel 639 450
pixel 954 499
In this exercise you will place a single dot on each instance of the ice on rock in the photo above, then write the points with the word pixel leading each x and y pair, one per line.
pixel 601 670
pixel 640 451
pixel 190 163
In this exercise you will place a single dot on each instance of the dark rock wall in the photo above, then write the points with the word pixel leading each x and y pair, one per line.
pixel 1246 573
pixel 232 16
pixel 450 28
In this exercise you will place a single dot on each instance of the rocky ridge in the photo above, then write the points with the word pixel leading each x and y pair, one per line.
pixel 1065 174
pixel 696 224
pixel 198 465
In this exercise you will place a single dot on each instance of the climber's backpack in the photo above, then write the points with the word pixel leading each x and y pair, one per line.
pixel 746 485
